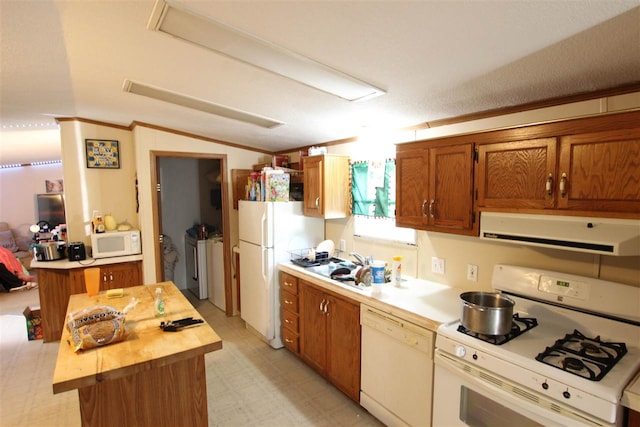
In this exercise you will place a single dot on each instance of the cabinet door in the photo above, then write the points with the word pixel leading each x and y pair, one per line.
pixel 343 346
pixel 121 275
pixel 313 187
pixel 312 327
pixel 451 187
pixel 412 188
pixel 54 292
pixel 599 171
pixel 515 174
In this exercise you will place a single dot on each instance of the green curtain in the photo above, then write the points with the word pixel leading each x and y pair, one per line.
pixel 373 188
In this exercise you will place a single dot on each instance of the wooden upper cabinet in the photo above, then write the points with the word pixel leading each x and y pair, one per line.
pixel 327 186
pixel 412 189
pixel 451 187
pixel 516 174
pixel 600 171
pixel 434 188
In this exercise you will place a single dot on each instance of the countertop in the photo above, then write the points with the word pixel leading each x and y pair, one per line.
pixel 65 264
pixel 631 395
pixel 146 347
pixel 424 303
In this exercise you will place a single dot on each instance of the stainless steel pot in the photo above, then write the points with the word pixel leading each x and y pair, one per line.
pixel 487 313
pixel 49 251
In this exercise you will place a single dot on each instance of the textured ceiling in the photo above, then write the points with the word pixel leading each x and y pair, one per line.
pixel 435 59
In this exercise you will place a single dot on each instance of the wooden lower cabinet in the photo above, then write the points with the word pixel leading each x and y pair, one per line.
pixel 289 312
pixel 56 285
pixel 330 337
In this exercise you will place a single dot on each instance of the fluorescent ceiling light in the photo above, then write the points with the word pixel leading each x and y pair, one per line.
pixel 204 31
pixel 198 104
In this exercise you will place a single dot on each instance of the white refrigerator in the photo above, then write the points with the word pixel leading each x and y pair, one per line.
pixel 268 231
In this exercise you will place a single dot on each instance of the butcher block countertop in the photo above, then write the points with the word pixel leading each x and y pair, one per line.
pixel 631 395
pixel 424 303
pixel 147 347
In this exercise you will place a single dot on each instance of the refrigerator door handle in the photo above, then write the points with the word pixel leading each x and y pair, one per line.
pixel 265 267
pixel 264 230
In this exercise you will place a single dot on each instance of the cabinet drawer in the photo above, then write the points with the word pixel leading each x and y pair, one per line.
pixel 289 283
pixel 290 320
pixel 290 340
pixel 289 301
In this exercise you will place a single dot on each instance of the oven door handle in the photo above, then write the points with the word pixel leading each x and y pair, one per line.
pixel 506 389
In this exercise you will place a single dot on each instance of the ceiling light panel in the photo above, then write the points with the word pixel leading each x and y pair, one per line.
pixel 176 20
pixel 198 104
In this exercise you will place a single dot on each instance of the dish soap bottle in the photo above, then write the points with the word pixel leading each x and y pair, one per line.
pixel 158 305
pixel 396 270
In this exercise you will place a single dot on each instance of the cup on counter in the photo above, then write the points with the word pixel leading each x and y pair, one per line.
pixel 377 271
pixel 92 280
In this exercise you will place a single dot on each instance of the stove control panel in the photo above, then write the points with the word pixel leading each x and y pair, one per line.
pixel 564 287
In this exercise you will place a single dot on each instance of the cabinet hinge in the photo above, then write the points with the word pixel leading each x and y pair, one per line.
pixel 473 217
pixel 158 187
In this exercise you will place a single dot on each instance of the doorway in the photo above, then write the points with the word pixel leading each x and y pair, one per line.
pixel 191 189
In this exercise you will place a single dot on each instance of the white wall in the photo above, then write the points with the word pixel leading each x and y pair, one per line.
pixel 148 140
pixel 18 189
pixel 109 191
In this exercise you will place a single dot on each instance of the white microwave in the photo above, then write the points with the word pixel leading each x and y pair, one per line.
pixel 115 243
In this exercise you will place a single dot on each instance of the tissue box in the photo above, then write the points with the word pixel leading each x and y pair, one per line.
pixel 34 323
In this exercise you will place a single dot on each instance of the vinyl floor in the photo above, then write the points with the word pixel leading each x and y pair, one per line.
pixel 248 382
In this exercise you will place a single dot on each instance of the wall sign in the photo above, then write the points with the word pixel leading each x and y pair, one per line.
pixel 102 154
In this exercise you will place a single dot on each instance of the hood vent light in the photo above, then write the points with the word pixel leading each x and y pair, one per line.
pixel 608 236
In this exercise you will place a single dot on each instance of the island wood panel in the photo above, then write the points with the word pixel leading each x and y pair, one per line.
pixel 152 378
pixel 55 286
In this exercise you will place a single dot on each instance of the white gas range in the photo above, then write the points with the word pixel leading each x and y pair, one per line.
pixel 574 346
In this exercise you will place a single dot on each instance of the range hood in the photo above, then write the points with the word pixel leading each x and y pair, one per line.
pixel 606 236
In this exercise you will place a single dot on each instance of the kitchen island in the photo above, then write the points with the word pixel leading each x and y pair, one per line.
pixel 153 378
pixel 61 278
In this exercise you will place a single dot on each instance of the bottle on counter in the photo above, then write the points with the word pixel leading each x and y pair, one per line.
pixel 396 270
pixel 158 305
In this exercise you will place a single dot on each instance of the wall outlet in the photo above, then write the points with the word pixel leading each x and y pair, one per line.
pixel 343 245
pixel 437 265
pixel 472 272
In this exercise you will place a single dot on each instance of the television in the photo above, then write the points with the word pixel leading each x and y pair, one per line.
pixel 51 209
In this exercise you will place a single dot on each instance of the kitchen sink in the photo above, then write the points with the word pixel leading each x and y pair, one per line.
pixel 348 278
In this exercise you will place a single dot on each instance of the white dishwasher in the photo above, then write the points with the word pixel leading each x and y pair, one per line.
pixel 396 369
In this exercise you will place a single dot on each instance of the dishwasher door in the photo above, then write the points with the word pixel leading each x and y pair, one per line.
pixel 396 369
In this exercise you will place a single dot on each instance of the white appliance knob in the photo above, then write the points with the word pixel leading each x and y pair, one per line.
pixel 461 351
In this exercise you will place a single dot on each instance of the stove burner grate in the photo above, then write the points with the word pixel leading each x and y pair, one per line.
pixel 519 326
pixel 590 358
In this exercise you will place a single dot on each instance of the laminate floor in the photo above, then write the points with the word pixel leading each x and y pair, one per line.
pixel 248 382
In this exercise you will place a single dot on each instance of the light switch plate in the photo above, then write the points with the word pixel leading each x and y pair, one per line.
pixel 437 265
pixel 472 272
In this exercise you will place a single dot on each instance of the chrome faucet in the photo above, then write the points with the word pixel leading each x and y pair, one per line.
pixel 362 260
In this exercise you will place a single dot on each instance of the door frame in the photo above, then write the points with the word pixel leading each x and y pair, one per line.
pixel 157 212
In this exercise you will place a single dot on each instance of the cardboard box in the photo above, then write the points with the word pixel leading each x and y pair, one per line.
pixel 34 323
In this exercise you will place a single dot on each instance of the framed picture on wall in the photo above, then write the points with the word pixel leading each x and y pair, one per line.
pixel 102 154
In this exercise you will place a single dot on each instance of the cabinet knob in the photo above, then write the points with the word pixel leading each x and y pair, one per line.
pixel 287 321
pixel 287 340
pixel 317 202
pixel 432 205
pixel 424 203
pixel 288 284
pixel 549 184
pixel 288 302
pixel 563 184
